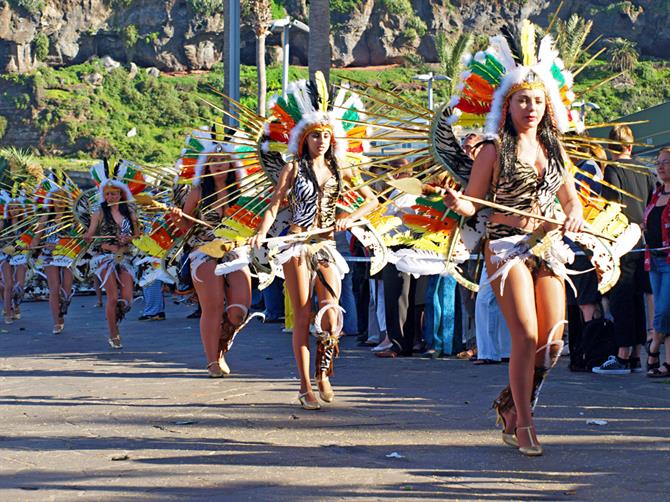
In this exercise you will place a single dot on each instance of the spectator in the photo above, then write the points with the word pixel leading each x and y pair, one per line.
pixel 657 262
pixel 626 298
pixel 493 337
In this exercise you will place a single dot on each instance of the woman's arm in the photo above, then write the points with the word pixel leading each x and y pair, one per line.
pixel 370 203
pixel 190 207
pixel 285 181
pixel 478 185
pixel 95 221
pixel 39 229
pixel 572 207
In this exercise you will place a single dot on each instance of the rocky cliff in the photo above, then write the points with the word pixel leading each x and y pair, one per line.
pixel 176 35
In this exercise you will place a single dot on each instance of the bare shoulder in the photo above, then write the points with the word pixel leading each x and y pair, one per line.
pixel 488 154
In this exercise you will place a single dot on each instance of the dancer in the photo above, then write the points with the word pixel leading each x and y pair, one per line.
pixel 523 166
pixel 58 273
pixel 111 230
pixel 314 181
pixel 12 260
pixel 223 286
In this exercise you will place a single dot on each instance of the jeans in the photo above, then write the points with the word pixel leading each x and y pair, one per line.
pixel 493 337
pixel 348 303
pixel 153 298
pixel 376 312
pixel 440 313
pixel 273 297
pixel 659 274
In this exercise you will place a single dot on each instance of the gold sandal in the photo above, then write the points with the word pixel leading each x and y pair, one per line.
pixel 325 389
pixel 215 370
pixel 534 450
pixel 308 405
pixel 507 437
pixel 115 341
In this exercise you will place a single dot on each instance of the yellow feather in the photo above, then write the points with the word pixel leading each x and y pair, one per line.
pixel 322 87
pixel 528 43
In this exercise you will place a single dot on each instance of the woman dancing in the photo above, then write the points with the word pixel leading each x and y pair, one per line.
pixel 524 167
pixel 224 299
pixel 13 261
pixel 114 226
pixel 313 182
pixel 59 274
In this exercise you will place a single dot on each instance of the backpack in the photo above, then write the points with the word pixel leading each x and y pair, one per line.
pixel 594 345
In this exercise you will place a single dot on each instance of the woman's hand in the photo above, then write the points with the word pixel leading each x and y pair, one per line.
pixel 573 223
pixel 452 199
pixel 342 224
pixel 257 240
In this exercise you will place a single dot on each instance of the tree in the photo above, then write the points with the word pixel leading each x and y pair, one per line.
pixel 623 55
pixel 450 53
pixel 570 36
pixel 259 13
pixel 318 54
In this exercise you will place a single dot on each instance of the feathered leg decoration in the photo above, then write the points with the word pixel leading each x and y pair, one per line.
pixel 64 302
pixel 328 342
pixel 552 353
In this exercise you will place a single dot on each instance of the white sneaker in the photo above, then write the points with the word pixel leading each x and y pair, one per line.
pixel 382 347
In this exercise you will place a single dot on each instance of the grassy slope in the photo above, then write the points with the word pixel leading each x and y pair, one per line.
pixel 164 109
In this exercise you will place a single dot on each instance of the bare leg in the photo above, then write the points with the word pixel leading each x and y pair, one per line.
pixel 112 291
pixel 517 303
pixel 53 281
pixel 297 278
pixel 8 279
pixel 209 288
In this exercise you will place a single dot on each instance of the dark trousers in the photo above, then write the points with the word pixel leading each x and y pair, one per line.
pixel 401 312
pixel 627 302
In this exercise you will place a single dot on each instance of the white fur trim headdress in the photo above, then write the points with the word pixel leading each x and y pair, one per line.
pixel 308 107
pixel 126 176
pixel 494 75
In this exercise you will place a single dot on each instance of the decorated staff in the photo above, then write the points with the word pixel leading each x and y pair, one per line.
pixel 117 223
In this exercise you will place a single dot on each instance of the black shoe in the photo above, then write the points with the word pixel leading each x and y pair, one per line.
pixel 156 317
pixel 635 365
pixel 195 314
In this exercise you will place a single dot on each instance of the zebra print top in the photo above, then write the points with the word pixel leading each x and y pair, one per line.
pixel 525 190
pixel 110 227
pixel 307 208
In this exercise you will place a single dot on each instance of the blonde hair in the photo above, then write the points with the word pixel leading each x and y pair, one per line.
pixel 623 134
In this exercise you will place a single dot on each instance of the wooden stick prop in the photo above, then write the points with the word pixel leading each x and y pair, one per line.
pixel 219 247
pixel 147 200
pixel 413 186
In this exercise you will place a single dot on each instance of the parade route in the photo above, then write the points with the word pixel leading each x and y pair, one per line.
pixel 81 421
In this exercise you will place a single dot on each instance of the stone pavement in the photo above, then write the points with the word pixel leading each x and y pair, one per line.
pixel 80 421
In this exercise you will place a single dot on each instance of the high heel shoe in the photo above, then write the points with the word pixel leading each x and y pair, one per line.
pixel 225 369
pixel 58 328
pixel 325 389
pixel 507 437
pixel 308 405
pixel 534 450
pixel 214 370
pixel 115 341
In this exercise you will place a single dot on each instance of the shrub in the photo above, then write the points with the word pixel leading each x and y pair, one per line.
pixel 41 46
pixel 3 126
pixel 32 6
pixel 130 36
pixel 207 7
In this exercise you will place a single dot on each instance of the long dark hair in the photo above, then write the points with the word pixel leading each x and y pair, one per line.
pixel 208 192
pixel 509 137
pixel 123 209
pixel 306 165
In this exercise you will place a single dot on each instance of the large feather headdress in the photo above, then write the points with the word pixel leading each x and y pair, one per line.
pixel 125 175
pixel 493 75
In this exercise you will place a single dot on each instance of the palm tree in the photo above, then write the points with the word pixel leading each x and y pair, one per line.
pixel 21 165
pixel 318 55
pixel 570 38
pixel 450 53
pixel 259 13
pixel 623 55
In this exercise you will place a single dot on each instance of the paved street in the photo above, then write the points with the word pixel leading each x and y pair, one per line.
pixel 80 421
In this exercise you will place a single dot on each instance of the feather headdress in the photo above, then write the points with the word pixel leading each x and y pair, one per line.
pixel 492 76
pixel 125 175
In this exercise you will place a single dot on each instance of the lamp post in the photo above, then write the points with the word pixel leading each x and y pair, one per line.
pixel 285 25
pixel 429 77
pixel 231 63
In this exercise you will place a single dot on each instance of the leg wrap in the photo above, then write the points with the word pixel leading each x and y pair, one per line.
pixel 122 308
pixel 327 346
pixel 552 353
pixel 64 302
pixel 17 294
pixel 229 331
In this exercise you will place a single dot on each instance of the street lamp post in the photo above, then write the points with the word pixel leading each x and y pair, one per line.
pixel 429 77
pixel 583 106
pixel 285 25
pixel 231 63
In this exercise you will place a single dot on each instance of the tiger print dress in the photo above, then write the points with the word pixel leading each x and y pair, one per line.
pixel 528 191
pixel 311 208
